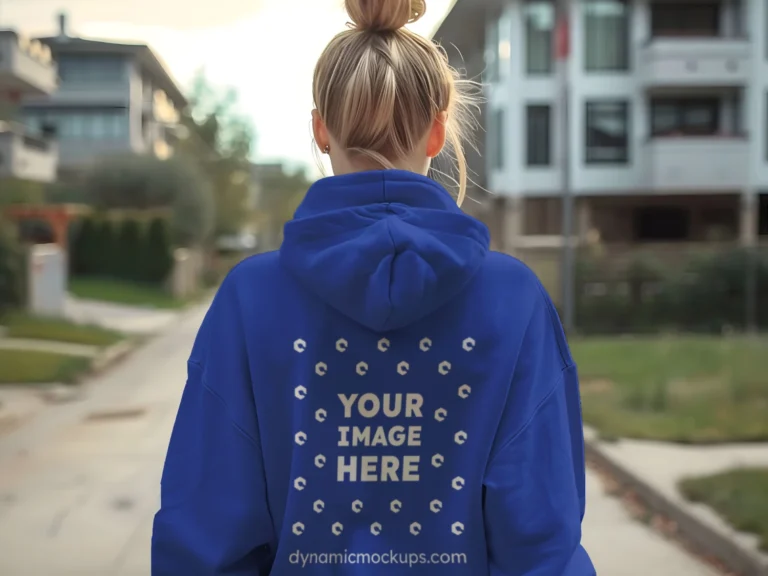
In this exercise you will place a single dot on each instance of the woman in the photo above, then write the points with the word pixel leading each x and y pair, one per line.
pixel 384 395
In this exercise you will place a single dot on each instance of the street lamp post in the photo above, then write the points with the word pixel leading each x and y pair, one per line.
pixel 562 52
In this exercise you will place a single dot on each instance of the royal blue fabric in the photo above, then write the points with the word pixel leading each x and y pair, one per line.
pixel 382 396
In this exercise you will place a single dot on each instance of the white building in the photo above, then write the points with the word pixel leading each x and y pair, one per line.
pixel 668 118
pixel 26 69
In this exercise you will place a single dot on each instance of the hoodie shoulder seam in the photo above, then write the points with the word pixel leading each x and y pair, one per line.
pixel 534 414
pixel 224 404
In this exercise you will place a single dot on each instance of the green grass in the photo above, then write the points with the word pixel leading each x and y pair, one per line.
pixel 36 328
pixel 679 389
pixel 32 367
pixel 120 292
pixel 739 496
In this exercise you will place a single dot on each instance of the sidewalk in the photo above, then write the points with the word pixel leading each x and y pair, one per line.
pixel 79 485
pixel 126 319
pixel 656 468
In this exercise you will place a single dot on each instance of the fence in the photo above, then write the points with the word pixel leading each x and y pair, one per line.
pixel 688 288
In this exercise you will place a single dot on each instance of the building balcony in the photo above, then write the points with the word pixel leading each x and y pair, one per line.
pixel 696 61
pixel 26 157
pixel 26 67
pixel 697 163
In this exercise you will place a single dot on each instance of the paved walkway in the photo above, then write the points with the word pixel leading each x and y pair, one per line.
pixel 662 466
pixel 79 484
pixel 126 319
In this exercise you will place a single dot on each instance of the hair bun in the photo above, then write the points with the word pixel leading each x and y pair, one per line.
pixel 384 15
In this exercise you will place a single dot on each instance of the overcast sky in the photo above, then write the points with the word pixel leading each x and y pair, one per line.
pixel 266 49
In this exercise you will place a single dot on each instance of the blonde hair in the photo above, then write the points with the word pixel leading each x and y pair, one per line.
pixel 379 87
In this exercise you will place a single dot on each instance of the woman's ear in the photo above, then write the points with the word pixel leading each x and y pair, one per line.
pixel 320 132
pixel 437 134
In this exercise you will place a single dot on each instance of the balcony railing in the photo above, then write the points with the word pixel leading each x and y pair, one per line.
pixel 716 162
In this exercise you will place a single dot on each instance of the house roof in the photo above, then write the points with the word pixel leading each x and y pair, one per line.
pixel 150 61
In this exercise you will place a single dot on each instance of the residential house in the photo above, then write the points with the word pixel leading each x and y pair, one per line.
pixel 26 69
pixel 113 98
pixel 668 118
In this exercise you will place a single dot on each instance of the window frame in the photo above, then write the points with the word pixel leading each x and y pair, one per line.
pixel 530 107
pixel 626 65
pixel 626 106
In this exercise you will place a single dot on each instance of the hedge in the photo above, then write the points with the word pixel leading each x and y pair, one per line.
pixel 705 293
pixel 12 269
pixel 126 249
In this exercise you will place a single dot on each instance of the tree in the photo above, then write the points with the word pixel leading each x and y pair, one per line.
pixel 280 193
pixel 221 141
pixel 145 182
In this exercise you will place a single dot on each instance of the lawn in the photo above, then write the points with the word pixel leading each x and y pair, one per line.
pixel 120 292
pixel 680 389
pixel 28 367
pixel 24 326
pixel 739 496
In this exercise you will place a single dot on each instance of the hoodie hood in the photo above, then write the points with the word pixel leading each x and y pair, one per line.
pixel 385 248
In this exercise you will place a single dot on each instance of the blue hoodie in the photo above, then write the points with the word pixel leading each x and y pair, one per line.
pixel 382 396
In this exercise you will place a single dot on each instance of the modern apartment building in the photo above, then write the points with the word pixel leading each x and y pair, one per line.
pixel 113 98
pixel 26 69
pixel 668 118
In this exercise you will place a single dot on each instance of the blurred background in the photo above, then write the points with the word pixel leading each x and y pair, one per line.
pixel 147 147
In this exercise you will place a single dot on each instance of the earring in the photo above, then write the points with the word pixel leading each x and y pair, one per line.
pixel 327 149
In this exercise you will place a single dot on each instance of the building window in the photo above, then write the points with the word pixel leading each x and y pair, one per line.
pixel 685 116
pixel 685 19
pixel 606 30
pixel 538 131
pixel 84 125
pixel 492 65
pixel 607 132
pixel 496 140
pixel 91 69
pixel 539 23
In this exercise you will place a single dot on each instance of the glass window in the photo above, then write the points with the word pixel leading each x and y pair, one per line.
pixel 685 18
pixel 538 130
pixel 607 132
pixel 539 24
pixel 91 69
pixel 606 30
pixel 685 116
pixel 492 63
pixel 496 140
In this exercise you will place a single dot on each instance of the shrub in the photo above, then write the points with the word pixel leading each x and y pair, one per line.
pixel 104 249
pixel 84 250
pixel 129 251
pixel 158 252
pixel 12 269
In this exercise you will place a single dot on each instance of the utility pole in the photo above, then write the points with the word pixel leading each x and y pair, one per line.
pixel 562 53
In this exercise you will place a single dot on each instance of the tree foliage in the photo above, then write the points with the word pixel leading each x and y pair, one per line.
pixel 145 182
pixel 221 141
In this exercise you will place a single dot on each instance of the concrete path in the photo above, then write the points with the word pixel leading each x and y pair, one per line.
pixel 662 466
pixel 64 348
pixel 126 319
pixel 79 484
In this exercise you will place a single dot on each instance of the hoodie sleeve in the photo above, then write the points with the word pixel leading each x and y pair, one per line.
pixel 534 483
pixel 214 516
